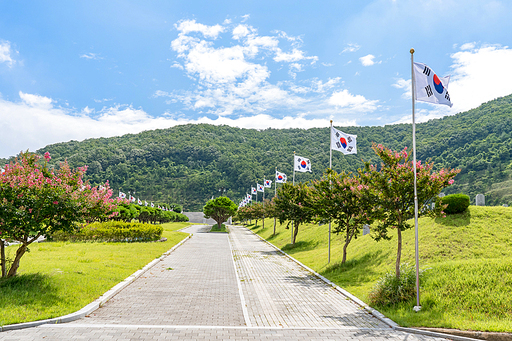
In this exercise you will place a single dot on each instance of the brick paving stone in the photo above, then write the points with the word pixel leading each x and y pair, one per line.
pixel 200 300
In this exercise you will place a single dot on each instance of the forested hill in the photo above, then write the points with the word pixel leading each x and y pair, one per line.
pixel 188 164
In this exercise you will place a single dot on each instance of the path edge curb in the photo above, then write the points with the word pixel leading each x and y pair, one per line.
pixel 369 309
pixel 88 309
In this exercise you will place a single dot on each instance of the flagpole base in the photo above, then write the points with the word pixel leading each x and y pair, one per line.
pixel 417 308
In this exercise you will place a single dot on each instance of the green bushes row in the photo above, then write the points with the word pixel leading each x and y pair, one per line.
pixel 457 203
pixel 146 214
pixel 113 231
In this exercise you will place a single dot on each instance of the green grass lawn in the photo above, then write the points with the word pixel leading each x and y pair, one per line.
pixel 215 228
pixel 468 258
pixel 58 278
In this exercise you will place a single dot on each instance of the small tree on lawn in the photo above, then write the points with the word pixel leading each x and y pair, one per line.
pixel 395 185
pixel 36 201
pixel 219 209
pixel 345 199
pixel 293 205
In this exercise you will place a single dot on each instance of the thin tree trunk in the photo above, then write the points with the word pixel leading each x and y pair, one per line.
pixel 2 256
pixel 275 222
pixel 256 223
pixel 348 238
pixel 295 231
pixel 16 263
pixel 398 253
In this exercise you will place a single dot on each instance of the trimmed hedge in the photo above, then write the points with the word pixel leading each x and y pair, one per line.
pixel 457 203
pixel 113 231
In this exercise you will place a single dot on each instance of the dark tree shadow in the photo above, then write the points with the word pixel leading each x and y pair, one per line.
pixel 27 289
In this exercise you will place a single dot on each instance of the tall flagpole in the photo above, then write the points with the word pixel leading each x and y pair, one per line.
pixel 330 167
pixel 263 202
pixel 275 195
pixel 291 239
pixel 418 306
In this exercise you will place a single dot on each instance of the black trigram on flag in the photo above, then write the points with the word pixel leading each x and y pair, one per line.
pixel 428 89
pixel 426 71
pixel 349 139
pixel 447 96
pixel 349 149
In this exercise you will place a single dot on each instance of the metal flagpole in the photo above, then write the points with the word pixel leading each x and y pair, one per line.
pixel 330 167
pixel 275 195
pixel 418 306
pixel 263 223
pixel 291 240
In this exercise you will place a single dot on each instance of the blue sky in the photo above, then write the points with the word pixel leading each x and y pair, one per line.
pixel 71 70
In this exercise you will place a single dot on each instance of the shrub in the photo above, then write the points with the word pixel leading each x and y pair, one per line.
pixel 457 203
pixel 390 290
pixel 113 231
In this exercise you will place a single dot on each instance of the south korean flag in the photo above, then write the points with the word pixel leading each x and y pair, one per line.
pixel 429 87
pixel 301 164
pixel 342 142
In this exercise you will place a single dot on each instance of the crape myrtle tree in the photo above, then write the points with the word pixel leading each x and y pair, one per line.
pixel 36 201
pixel 219 209
pixel 347 200
pixel 293 204
pixel 394 183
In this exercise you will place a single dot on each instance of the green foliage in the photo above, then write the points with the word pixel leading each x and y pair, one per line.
pixel 456 203
pixel 293 205
pixel 390 290
pixel 219 209
pixel 113 231
pixel 188 163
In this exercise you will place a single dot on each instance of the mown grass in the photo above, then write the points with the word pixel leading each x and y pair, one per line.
pixel 215 228
pixel 58 278
pixel 468 258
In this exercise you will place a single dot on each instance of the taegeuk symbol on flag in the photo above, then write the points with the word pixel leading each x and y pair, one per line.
pixel 260 188
pixel 429 87
pixel 342 142
pixel 280 177
pixel 301 164
pixel 267 183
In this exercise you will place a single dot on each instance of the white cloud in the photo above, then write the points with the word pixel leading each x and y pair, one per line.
pixel 368 60
pixel 468 46
pixel 36 100
pixel 91 55
pixel 404 84
pixel 344 99
pixel 241 31
pixel 34 123
pixel 480 75
pixel 5 53
pixel 188 26
pixel 351 48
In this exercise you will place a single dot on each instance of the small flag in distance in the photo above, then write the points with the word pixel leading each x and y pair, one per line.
pixel 343 142
pixel 301 164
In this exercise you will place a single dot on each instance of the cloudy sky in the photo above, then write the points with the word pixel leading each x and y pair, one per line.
pixel 71 70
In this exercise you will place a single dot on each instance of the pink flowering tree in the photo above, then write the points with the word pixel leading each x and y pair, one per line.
pixel 395 186
pixel 347 200
pixel 293 204
pixel 36 200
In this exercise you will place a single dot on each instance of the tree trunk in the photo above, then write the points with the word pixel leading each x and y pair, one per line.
pixel 256 225
pixel 263 222
pixel 398 253
pixel 16 263
pixel 2 256
pixel 275 222
pixel 295 231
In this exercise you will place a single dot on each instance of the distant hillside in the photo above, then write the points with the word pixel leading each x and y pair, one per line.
pixel 188 164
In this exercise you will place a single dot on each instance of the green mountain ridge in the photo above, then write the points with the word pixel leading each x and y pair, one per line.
pixel 189 164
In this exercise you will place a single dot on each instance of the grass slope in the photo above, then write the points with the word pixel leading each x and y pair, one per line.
pixel 468 257
pixel 58 278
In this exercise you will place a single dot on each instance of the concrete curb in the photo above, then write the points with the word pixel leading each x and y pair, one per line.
pixel 372 311
pixel 88 309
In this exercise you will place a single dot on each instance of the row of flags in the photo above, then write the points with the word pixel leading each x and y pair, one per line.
pixel 131 198
pixel 280 178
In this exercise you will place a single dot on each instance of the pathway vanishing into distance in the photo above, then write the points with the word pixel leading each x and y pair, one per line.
pixel 226 287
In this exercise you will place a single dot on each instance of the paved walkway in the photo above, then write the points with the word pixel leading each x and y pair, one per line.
pixel 225 287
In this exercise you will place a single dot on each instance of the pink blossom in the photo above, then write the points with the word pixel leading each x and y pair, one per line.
pixel 55 202
pixel 451 181
pixel 47 156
